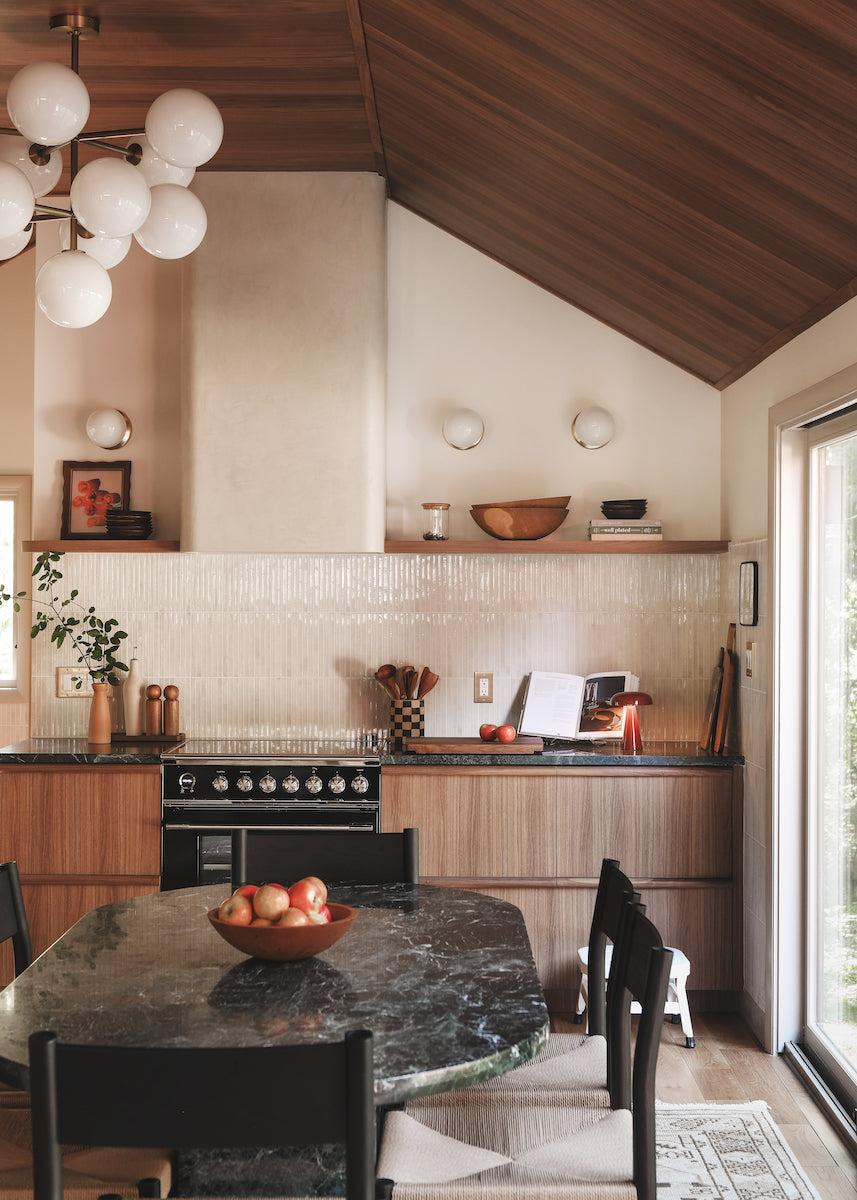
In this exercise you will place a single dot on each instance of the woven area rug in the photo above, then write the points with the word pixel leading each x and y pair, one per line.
pixel 725 1152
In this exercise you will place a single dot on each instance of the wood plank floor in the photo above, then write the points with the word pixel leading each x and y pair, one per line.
pixel 728 1067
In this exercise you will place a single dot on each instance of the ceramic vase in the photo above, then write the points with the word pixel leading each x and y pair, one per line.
pixel 99 716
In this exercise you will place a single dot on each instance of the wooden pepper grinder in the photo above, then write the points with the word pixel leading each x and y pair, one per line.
pixel 153 710
pixel 171 710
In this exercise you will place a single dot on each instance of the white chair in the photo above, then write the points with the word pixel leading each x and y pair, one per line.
pixel 676 1007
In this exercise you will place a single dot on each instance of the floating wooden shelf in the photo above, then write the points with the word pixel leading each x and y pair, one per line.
pixel 103 546
pixel 551 546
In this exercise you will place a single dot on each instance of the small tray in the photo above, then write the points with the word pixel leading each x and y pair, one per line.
pixel 169 738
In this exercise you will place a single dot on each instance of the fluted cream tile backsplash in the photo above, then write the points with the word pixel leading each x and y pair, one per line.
pixel 286 645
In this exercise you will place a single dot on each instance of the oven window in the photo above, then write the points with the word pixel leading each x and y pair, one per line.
pixel 215 858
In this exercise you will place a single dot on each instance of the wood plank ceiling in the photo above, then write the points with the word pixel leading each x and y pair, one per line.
pixel 684 172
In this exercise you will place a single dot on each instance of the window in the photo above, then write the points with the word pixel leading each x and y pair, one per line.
pixel 15 576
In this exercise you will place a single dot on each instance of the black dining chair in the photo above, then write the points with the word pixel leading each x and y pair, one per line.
pixel 283 856
pixel 494 1145
pixel 13 916
pixel 271 1096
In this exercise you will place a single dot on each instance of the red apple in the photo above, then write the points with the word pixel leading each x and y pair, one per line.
pixel 247 889
pixel 488 732
pixel 316 916
pixel 293 916
pixel 305 894
pixel 271 901
pixel 322 887
pixel 261 921
pixel 506 733
pixel 236 910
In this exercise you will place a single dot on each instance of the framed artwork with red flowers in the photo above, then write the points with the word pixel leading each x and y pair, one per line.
pixel 89 489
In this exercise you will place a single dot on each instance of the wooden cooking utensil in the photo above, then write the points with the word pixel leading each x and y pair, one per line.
pixel 386 677
pixel 402 680
pixel 427 682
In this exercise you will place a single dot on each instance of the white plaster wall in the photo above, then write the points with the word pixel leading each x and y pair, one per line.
pixel 286 344
pixel 16 354
pixel 466 332
pixel 130 359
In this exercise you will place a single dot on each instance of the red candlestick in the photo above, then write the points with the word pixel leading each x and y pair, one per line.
pixel 632 743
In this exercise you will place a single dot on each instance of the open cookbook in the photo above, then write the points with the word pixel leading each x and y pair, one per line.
pixel 575 707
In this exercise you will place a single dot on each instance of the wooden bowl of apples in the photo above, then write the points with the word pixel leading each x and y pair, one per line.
pixel 282 923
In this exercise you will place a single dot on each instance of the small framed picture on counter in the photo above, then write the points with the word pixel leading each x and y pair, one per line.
pixel 748 593
pixel 89 489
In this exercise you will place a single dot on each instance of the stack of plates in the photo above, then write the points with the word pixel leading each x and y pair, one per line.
pixel 624 510
pixel 124 524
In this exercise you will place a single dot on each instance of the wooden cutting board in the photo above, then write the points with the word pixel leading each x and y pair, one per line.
pixel 463 745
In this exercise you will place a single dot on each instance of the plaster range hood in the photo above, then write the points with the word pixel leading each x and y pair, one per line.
pixel 285 323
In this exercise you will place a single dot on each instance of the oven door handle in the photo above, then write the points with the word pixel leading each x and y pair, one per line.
pixel 368 828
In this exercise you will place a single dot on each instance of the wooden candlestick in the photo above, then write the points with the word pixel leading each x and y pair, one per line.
pixel 171 710
pixel 153 709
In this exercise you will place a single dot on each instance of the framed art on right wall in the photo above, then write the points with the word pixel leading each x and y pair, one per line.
pixel 748 593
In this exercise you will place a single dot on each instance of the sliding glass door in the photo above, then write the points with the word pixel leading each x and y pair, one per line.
pixel 831 1001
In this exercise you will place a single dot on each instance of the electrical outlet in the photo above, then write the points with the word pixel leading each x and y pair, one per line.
pixel 483 687
pixel 750 659
pixel 66 679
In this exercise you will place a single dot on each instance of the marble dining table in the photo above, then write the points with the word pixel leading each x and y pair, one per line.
pixel 443 977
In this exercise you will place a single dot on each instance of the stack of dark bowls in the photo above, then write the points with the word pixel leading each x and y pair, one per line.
pixel 624 510
pixel 126 524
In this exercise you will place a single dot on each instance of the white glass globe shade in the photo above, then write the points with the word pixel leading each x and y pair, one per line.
pixel 592 428
pixel 108 428
pixel 176 224
pixel 16 150
pixel 17 202
pixel 184 127
pixel 110 197
pixel 73 290
pixel 463 429
pixel 15 243
pixel 48 103
pixel 105 250
pixel 155 169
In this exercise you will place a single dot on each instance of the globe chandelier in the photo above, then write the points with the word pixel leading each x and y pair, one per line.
pixel 139 190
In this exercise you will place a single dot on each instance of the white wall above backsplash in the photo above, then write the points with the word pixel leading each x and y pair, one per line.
pixel 286 645
pixel 465 332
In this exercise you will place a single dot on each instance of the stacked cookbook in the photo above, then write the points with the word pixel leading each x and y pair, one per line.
pixel 642 529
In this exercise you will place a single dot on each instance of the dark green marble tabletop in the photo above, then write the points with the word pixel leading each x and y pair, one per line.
pixel 443 977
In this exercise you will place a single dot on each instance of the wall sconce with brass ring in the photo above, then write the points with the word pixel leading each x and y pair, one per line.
pixel 463 429
pixel 109 428
pixel 593 428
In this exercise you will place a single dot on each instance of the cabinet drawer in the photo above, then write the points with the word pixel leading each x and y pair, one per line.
pixel 492 823
pixel 81 821
pixel 660 825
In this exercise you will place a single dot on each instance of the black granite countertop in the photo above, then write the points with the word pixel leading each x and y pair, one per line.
pixel 608 754
pixel 605 754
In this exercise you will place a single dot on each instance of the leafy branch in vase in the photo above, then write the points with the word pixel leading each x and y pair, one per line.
pixel 96 641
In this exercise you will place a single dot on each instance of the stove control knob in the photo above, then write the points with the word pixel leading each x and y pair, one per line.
pixel 337 784
pixel 187 782
pixel 291 783
pixel 313 783
pixel 360 784
pixel 220 783
pixel 267 783
pixel 245 783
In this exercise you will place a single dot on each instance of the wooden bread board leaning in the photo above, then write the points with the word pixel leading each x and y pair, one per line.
pixel 727 687
pixel 463 745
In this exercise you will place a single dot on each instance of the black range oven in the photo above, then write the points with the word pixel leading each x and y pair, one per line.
pixel 211 788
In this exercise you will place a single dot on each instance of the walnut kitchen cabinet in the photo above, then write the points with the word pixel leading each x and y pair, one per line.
pixel 82 836
pixel 536 836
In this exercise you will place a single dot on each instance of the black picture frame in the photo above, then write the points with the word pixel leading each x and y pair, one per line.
pixel 88 489
pixel 748 593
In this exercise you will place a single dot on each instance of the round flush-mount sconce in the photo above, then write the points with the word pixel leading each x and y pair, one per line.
pixel 109 428
pixel 592 428
pixel 463 429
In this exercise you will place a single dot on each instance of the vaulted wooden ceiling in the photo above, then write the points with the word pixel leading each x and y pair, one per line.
pixel 685 172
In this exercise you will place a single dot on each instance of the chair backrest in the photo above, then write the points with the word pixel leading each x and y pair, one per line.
pixel 13 916
pixel 277 1095
pixel 283 856
pixel 641 969
pixel 615 890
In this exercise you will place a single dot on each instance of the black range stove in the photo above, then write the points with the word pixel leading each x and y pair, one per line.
pixel 212 787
